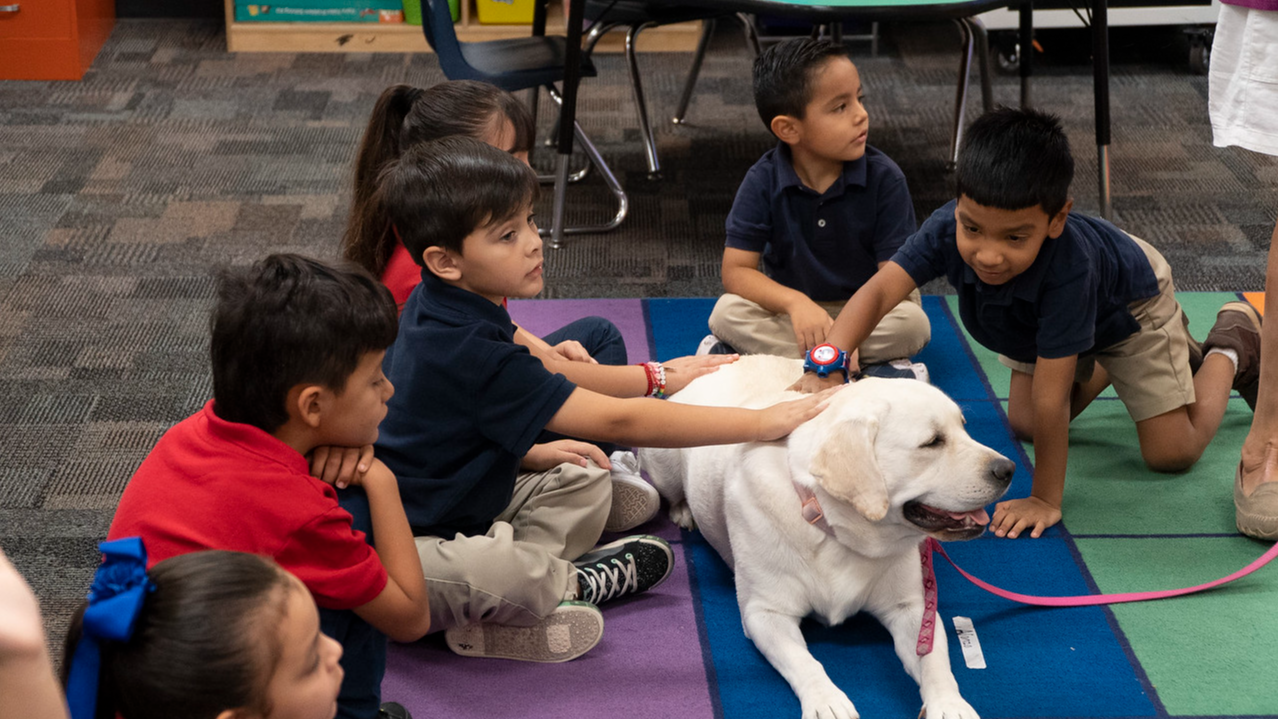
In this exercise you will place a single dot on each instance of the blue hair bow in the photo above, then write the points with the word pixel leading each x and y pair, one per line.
pixel 119 588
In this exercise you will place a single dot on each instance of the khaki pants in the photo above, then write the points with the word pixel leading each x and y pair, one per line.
pixel 751 329
pixel 522 568
pixel 1150 369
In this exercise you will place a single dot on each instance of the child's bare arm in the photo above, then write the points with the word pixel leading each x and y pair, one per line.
pixel 654 423
pixel 28 687
pixel 886 289
pixel 740 271
pixel 1050 400
pixel 632 380
pixel 401 611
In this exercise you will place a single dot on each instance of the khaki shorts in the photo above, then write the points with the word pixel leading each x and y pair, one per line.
pixel 1149 369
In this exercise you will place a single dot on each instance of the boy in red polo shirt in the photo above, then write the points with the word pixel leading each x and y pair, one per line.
pixel 297 351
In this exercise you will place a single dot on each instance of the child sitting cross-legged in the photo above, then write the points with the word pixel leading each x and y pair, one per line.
pixel 814 218
pixel 591 351
pixel 1071 303
pixel 297 351
pixel 505 526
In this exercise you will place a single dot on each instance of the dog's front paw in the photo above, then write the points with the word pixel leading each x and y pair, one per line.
pixel 682 515
pixel 952 707
pixel 829 703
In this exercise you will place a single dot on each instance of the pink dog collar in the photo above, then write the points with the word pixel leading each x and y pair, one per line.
pixel 812 512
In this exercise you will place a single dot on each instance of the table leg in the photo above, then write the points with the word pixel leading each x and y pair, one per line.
pixel 1026 46
pixel 1101 101
pixel 568 115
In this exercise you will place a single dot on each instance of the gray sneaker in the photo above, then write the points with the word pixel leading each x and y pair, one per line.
pixel 634 500
pixel 573 629
pixel 628 566
pixel 1238 327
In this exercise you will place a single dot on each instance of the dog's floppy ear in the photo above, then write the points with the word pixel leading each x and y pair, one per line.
pixel 845 466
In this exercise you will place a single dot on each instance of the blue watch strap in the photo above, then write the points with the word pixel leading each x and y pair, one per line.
pixel 826 358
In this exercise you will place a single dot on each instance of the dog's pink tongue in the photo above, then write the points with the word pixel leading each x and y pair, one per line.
pixel 978 516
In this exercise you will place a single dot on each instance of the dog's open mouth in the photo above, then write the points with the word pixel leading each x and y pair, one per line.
pixel 947 524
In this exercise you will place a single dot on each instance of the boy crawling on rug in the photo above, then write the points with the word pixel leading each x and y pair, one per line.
pixel 1071 304
pixel 505 526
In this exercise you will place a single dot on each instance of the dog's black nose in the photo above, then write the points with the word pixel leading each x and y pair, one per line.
pixel 1001 470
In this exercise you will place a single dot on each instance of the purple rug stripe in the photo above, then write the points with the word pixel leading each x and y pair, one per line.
pixel 647 666
pixel 542 317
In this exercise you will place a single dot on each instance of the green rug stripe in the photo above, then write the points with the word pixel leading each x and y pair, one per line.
pixel 1207 654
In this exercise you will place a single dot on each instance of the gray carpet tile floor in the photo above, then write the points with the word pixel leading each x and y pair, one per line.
pixel 119 195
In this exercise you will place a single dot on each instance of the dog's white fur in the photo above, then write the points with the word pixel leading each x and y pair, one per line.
pixel 864 457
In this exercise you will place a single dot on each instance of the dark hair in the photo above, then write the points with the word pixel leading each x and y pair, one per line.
pixel 783 76
pixel 203 643
pixel 1012 159
pixel 289 320
pixel 440 192
pixel 405 117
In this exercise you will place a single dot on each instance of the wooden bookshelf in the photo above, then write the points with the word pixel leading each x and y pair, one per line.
pixel 398 37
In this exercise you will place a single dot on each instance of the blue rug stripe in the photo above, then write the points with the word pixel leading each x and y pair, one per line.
pixel 1059 663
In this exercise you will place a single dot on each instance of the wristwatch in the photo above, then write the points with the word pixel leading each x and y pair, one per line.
pixel 825 358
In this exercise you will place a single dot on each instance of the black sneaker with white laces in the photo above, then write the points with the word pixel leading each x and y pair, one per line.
pixel 393 710
pixel 628 566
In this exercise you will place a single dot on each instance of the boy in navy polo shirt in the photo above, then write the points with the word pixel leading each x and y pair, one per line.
pixel 1071 304
pixel 503 523
pixel 824 210
pixel 296 351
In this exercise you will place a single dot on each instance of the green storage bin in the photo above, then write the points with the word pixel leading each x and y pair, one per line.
pixel 413 11
pixel 371 11
pixel 505 12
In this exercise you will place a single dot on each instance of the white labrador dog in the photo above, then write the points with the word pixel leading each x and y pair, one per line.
pixel 889 463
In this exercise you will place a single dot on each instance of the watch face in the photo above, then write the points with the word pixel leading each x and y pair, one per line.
pixel 824 354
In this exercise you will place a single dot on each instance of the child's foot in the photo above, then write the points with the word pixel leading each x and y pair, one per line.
pixel 634 500
pixel 628 566
pixel 712 345
pixel 393 710
pixel 1238 331
pixel 573 629
pixel 1257 503
pixel 896 369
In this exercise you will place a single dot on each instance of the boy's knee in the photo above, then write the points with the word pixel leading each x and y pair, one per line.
pixel 1169 461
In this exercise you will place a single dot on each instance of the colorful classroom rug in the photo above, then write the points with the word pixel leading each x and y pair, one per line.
pixel 679 651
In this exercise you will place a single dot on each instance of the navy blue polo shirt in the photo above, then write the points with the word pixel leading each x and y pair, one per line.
pixel 468 405
pixel 1073 299
pixel 825 245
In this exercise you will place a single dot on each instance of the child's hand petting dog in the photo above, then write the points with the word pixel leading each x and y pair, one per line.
pixel 563 451
pixel 782 418
pixel 341 466
pixel 682 370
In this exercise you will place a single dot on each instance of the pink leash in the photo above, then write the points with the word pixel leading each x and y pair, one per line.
pixel 812 513
pixel 1093 599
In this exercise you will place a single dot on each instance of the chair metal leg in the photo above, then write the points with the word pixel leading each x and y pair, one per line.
pixel 561 170
pixel 982 49
pixel 637 89
pixel 708 29
pixel 961 90
pixel 752 33
pixel 550 142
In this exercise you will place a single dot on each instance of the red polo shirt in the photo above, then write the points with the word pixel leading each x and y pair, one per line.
pixel 213 484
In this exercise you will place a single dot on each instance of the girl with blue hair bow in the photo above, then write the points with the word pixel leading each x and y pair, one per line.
pixel 206 635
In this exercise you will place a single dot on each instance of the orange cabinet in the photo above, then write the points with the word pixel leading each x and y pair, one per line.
pixel 52 39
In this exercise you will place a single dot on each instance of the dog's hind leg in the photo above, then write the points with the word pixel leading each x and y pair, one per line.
pixel 665 468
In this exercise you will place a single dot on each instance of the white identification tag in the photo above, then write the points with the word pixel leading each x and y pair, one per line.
pixel 969 644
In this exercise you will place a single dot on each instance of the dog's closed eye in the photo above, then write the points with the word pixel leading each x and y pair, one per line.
pixel 936 440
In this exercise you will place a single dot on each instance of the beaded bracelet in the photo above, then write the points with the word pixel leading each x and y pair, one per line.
pixel 656 375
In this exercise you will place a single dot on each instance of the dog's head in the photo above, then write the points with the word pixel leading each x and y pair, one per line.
pixel 897 450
